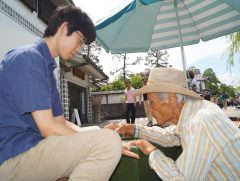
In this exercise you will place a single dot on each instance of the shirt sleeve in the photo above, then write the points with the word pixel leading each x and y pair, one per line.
pixel 164 137
pixel 195 161
pixel 30 85
pixel 164 166
pixel 57 108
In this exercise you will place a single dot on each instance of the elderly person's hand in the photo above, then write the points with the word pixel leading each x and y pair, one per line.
pixel 124 129
pixel 127 150
pixel 143 145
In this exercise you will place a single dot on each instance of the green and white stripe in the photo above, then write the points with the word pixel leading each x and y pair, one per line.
pixel 198 19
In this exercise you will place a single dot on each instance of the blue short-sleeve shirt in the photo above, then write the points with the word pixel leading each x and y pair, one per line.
pixel 27 84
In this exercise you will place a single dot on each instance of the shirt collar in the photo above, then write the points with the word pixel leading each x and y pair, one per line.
pixel 186 110
pixel 42 46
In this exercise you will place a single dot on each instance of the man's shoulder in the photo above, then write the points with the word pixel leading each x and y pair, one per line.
pixel 23 55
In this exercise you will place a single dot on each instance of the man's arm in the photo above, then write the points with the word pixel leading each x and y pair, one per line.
pixel 50 127
pixel 61 119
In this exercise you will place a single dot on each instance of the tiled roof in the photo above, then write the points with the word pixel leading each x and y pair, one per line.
pixel 108 92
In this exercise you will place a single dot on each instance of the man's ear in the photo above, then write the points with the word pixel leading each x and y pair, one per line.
pixel 63 29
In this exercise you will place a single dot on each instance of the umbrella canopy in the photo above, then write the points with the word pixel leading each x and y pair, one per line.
pixel 162 24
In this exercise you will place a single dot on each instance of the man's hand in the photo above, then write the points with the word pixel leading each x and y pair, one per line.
pixel 124 129
pixel 143 145
pixel 127 151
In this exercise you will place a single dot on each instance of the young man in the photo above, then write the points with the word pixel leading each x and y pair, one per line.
pixel 130 102
pixel 209 140
pixel 36 142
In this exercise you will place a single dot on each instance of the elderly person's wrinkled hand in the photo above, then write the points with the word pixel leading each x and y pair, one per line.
pixel 127 150
pixel 123 129
pixel 113 126
pixel 143 145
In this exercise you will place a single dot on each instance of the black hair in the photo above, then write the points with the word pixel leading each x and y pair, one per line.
pixel 190 74
pixel 77 21
pixel 128 81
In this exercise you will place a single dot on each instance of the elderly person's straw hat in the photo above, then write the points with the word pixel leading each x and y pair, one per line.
pixel 171 80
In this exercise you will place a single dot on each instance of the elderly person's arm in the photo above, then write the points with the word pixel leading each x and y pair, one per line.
pixel 164 137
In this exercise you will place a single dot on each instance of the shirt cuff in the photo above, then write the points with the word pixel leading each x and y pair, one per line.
pixel 136 133
pixel 152 157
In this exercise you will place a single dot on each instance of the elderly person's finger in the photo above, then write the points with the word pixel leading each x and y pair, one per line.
pixel 143 145
pixel 113 126
pixel 127 151
pixel 126 129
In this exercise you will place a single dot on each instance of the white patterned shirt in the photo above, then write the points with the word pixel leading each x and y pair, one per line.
pixel 210 143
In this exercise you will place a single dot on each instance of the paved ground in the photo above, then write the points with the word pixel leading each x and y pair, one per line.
pixel 142 121
pixel 230 111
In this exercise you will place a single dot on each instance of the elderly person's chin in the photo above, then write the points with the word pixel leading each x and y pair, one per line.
pixel 167 124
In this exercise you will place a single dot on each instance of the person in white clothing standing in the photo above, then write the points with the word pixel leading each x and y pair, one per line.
pixel 130 101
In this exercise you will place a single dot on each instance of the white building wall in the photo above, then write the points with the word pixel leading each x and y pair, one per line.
pixel 112 98
pixel 15 21
pixel 76 80
pixel 13 33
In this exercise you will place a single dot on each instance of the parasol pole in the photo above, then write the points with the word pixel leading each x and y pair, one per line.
pixel 180 38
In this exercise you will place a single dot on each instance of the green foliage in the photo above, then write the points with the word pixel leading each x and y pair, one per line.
pixel 234 47
pixel 215 85
pixel 118 85
pixel 115 85
pixel 136 80
pixel 229 90
pixel 212 82
pixel 107 87
pixel 238 88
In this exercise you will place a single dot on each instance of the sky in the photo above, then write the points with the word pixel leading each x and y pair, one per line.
pixel 210 54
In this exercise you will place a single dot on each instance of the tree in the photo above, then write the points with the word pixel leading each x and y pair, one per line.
pixel 119 84
pixel 234 47
pixel 157 58
pixel 212 81
pixel 92 51
pixel 107 87
pixel 238 88
pixel 137 80
pixel 229 90
pixel 124 73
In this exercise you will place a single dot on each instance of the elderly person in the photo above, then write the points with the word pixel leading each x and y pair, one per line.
pixel 210 141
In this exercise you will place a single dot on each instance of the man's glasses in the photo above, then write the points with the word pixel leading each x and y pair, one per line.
pixel 82 41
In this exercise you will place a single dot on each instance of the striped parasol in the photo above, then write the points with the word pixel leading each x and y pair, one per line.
pixel 163 24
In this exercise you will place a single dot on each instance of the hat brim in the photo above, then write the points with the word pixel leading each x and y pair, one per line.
pixel 171 88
